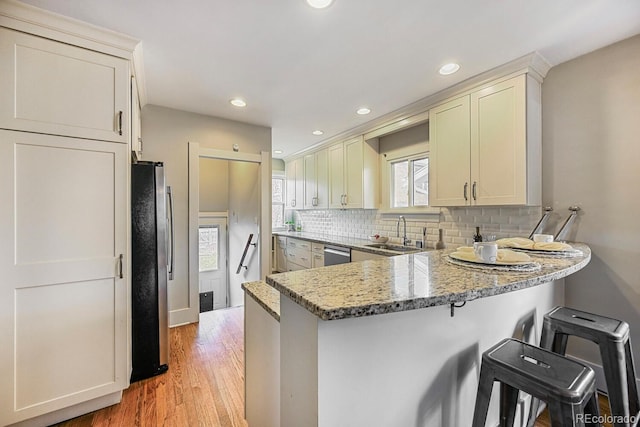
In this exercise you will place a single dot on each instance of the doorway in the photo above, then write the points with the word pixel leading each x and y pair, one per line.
pixel 213 262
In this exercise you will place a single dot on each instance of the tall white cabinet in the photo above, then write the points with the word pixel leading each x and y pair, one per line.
pixel 64 165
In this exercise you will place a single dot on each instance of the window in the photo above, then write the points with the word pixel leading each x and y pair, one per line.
pixel 409 182
pixel 277 202
pixel 209 249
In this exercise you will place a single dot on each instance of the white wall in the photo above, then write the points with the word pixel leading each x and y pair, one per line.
pixel 166 134
pixel 214 185
pixel 591 158
pixel 244 219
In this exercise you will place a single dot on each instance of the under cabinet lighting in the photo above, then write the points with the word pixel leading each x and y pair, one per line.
pixel 447 69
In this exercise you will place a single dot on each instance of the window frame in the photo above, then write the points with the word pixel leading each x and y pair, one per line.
pixel 279 175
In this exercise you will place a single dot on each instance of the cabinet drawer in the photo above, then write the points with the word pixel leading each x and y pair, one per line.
pixel 317 260
pixel 317 248
pixel 295 267
pixel 54 88
pixel 298 244
pixel 299 256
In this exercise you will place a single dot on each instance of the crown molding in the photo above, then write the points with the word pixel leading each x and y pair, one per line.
pixel 532 64
pixel 30 19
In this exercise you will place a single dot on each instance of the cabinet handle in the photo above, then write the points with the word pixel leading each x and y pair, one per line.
pixel 317 256
pixel 120 122
pixel 466 185
pixel 120 268
pixel 473 190
pixel 293 203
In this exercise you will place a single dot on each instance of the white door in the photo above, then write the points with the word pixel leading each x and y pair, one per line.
pixel 213 261
pixel 63 252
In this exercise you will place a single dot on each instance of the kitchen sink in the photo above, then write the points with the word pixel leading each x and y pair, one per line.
pixel 395 248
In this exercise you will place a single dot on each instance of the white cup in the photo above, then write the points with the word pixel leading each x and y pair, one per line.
pixel 486 251
pixel 546 238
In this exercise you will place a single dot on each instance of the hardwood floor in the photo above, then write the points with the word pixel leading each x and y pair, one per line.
pixel 204 385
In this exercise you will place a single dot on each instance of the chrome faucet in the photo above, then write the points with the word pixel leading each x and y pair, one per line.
pixel 405 241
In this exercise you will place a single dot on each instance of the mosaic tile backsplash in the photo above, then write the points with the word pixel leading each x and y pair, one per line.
pixel 458 223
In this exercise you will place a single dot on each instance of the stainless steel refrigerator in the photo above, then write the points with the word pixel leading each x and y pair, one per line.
pixel 151 268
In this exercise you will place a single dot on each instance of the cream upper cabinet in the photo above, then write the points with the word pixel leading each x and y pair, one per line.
pixel 63 255
pixel 450 156
pixel 353 174
pixel 486 146
pixel 294 171
pixel 87 92
pixel 316 194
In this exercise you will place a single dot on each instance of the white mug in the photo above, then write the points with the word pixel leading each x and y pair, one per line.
pixel 486 251
pixel 547 238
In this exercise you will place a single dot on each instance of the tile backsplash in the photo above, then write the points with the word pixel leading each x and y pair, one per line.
pixel 458 223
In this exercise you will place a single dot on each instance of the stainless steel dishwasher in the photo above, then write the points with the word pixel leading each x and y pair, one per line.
pixel 336 255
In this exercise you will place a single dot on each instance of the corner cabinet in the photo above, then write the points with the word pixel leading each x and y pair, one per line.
pixel 64 167
pixel 486 146
pixel 353 174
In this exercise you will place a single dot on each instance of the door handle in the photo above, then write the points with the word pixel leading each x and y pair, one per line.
pixel 466 186
pixel 119 122
pixel 473 190
pixel 172 247
pixel 120 267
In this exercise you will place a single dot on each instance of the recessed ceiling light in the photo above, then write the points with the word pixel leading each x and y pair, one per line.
pixel 447 69
pixel 238 102
pixel 319 4
pixel 317 132
pixel 363 110
pixel 277 151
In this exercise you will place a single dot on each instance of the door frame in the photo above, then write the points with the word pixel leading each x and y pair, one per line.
pixel 196 152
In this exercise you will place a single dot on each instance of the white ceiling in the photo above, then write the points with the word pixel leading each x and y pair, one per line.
pixel 302 69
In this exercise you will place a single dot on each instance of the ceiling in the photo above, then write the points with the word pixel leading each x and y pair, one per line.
pixel 301 69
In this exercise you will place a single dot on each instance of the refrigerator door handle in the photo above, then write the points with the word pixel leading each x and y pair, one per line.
pixel 171 234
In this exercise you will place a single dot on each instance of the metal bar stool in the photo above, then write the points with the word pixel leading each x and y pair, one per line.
pixel 567 386
pixel 612 336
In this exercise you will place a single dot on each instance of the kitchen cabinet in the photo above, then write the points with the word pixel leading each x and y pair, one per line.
pixel 294 173
pixel 316 191
pixel 281 254
pixel 65 132
pixel 485 147
pixel 55 88
pixel 63 299
pixel 353 174
pixel 317 255
pixel 298 254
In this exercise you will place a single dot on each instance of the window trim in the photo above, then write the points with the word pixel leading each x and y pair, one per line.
pixel 386 177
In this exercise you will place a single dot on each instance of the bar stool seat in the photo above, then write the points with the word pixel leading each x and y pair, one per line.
pixel 567 386
pixel 612 337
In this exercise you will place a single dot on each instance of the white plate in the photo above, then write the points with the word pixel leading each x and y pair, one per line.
pixel 479 261
pixel 567 253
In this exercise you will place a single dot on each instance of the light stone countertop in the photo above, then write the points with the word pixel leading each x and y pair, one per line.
pixel 265 295
pixel 348 242
pixel 409 282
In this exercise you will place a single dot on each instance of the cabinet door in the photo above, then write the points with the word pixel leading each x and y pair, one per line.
pixel 354 166
pixel 449 157
pixel 281 255
pixel 54 88
pixel 498 144
pixel 317 260
pixel 322 180
pixel 295 183
pixel 310 182
pixel 336 176
pixel 63 296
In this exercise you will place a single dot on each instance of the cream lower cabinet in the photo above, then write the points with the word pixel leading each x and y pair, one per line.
pixel 86 92
pixel 485 147
pixel 281 254
pixel 317 255
pixel 353 174
pixel 63 252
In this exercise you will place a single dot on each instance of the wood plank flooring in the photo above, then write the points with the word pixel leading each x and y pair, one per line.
pixel 204 385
